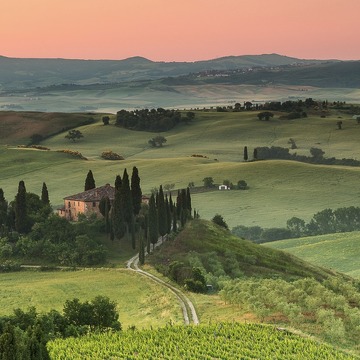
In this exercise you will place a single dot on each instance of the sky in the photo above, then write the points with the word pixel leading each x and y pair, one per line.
pixel 179 30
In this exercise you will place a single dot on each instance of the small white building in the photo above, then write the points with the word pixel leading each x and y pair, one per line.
pixel 224 187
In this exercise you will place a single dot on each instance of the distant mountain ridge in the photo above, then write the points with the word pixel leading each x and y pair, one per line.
pixel 21 73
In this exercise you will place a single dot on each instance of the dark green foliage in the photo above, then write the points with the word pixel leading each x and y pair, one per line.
pixel 99 314
pixel 255 154
pixel 118 182
pixel 45 195
pixel 36 139
pixel 126 199
pixel 117 217
pixel 3 209
pixel 136 190
pixel 104 207
pixel 208 182
pixel 9 348
pixel 89 181
pixel 142 251
pixel 219 220
pixel 242 185
pixel 246 157
pixel 21 218
pixel 265 115
pixel 106 120
pixel 168 216
pixel 153 221
pixel 153 120
pixel 162 213
pixel 157 141
pixel 74 135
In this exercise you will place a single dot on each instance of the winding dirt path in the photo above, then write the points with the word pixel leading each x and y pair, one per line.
pixel 188 308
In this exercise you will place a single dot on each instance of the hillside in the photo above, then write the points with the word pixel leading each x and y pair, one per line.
pixel 18 73
pixel 209 247
pixel 334 251
pixel 269 201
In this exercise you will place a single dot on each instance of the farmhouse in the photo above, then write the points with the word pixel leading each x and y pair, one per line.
pixel 87 202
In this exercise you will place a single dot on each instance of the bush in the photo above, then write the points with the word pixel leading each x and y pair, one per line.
pixel 110 155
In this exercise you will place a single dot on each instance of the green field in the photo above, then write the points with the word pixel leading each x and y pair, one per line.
pixel 141 302
pixel 340 252
pixel 277 191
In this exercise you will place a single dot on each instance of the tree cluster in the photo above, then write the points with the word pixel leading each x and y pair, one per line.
pixel 151 119
pixel 24 334
pixel 317 156
pixel 29 229
pixel 327 221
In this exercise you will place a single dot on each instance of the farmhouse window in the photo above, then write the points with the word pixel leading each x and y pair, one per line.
pixel 69 205
pixel 94 204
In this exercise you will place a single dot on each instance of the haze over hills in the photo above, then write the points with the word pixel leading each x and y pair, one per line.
pixel 18 73
pixel 53 85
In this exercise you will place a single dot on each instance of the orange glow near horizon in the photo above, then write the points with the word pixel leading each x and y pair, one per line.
pixel 184 30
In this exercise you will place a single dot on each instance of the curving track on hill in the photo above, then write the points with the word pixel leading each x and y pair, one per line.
pixel 188 309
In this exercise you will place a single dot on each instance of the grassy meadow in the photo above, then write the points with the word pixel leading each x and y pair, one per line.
pixel 340 252
pixel 141 301
pixel 277 191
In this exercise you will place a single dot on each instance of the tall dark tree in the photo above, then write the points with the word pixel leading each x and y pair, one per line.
pixel 146 233
pixel 3 208
pixel 161 211
pixel 89 181
pixel 21 218
pixel 136 190
pixel 153 221
pixel 246 157
pixel 8 343
pixel 255 154
pixel 174 221
pixel 45 195
pixel 142 251
pixel 126 199
pixel 118 183
pixel 168 215
pixel 188 200
pixel 104 207
pixel 118 226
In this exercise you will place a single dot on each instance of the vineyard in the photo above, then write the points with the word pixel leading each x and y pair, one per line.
pixel 215 341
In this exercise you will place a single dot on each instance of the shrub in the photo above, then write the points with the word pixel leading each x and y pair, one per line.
pixel 110 155
pixel 76 154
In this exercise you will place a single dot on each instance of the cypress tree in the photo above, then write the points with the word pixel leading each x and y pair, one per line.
pixel 146 233
pixel 133 238
pixel 142 251
pixel 89 181
pixel 171 203
pixel 168 215
pixel 255 154
pixel 188 200
pixel 246 153
pixel 136 190
pixel 126 198
pixel 118 183
pixel 161 211
pixel 21 218
pixel 117 217
pixel 174 224
pixel 8 343
pixel 153 221
pixel 3 208
pixel 45 195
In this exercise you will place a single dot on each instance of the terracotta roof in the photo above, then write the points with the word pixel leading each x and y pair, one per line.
pixel 95 194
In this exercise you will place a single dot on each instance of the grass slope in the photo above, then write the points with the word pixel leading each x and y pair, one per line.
pixel 204 237
pixel 271 199
pixel 140 301
pixel 340 252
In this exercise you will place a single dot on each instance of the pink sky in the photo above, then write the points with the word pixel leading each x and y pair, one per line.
pixel 179 30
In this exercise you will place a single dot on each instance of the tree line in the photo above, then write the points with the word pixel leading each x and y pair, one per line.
pixel 327 221
pixel 152 119
pixel 24 334
pixel 317 156
pixel 30 230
